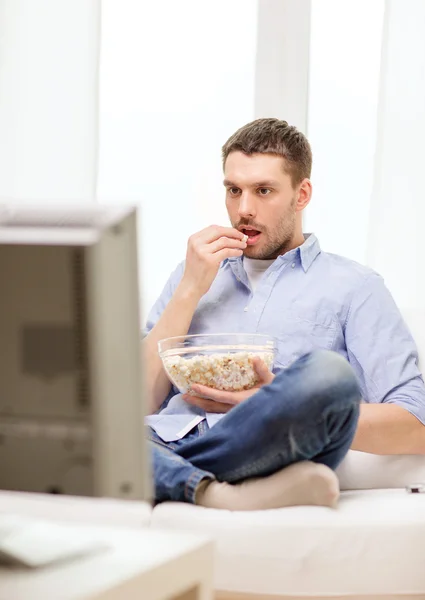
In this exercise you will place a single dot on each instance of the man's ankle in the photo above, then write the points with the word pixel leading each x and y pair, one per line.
pixel 201 488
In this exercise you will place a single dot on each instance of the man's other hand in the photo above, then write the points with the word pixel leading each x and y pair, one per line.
pixel 218 401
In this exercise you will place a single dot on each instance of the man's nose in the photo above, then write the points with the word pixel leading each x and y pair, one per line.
pixel 247 206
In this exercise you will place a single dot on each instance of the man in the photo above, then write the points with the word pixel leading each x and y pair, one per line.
pixel 346 367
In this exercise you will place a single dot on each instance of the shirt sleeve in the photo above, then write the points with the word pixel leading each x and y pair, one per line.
pixel 382 351
pixel 166 295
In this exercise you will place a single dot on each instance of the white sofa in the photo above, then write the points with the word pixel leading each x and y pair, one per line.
pixel 371 547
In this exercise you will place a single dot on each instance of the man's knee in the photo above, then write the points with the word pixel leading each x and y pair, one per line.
pixel 331 378
pixel 334 367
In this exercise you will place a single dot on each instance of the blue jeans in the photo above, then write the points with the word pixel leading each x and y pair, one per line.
pixel 308 412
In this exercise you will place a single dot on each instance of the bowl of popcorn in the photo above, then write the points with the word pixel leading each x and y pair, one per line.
pixel 223 361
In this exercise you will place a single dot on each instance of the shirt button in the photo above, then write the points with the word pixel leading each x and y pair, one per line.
pixel 293 265
pixel 245 309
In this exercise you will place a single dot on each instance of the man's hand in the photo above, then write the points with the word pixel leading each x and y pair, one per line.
pixel 205 251
pixel 222 402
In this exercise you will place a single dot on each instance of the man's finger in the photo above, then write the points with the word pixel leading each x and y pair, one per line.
pixel 208 405
pixel 216 395
pixel 215 232
pixel 262 370
pixel 226 242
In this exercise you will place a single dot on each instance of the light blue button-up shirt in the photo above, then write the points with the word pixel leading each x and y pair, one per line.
pixel 306 299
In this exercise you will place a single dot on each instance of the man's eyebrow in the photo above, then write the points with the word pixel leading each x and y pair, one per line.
pixel 266 183
pixel 256 184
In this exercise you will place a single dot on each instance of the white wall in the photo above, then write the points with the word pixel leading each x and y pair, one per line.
pixel 48 99
pixel 282 64
pixel 367 127
pixel 397 212
pixel 176 79
pixel 345 55
pixel 397 216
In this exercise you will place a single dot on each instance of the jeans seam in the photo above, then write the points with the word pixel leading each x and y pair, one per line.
pixel 163 444
pixel 243 472
pixel 193 482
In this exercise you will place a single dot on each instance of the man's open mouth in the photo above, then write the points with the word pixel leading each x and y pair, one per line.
pixel 253 235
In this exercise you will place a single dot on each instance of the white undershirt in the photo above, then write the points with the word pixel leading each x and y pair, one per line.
pixel 255 269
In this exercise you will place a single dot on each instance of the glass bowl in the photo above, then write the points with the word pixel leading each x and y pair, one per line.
pixel 223 361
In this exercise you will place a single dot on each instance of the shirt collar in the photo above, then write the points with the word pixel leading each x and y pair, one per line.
pixel 307 253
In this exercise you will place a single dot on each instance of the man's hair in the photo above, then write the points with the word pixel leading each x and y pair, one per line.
pixel 273 136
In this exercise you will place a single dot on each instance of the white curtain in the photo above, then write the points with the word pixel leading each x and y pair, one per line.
pixel 367 127
pixel 48 99
pixel 397 208
pixel 176 79
pixel 345 58
pixel 146 122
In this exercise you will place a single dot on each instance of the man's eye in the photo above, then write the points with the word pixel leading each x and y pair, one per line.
pixel 264 191
pixel 234 191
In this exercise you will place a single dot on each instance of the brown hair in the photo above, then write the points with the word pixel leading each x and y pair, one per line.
pixel 273 136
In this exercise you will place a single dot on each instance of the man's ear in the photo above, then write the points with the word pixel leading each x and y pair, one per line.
pixel 305 190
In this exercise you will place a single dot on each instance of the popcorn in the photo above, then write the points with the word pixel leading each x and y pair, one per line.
pixel 231 371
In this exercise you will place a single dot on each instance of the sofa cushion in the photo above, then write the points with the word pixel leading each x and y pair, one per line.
pixel 362 471
pixel 93 511
pixel 373 543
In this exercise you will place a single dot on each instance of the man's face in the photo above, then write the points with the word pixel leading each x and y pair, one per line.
pixel 261 202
